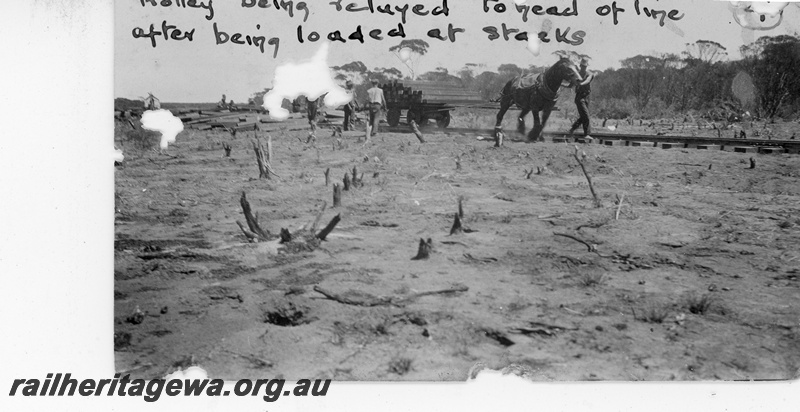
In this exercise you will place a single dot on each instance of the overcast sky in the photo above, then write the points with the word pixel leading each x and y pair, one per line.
pixel 201 71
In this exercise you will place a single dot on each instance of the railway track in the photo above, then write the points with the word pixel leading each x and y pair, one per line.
pixel 660 141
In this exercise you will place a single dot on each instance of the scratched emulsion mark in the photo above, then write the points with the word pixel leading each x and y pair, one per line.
pixel 164 122
pixel 311 79
pixel 744 89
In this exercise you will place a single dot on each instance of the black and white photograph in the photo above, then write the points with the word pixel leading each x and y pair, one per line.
pixel 572 190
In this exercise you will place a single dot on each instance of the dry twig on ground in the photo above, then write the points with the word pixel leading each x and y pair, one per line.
pixel 597 202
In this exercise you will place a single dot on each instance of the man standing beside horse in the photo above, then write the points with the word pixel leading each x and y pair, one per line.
pixel 582 92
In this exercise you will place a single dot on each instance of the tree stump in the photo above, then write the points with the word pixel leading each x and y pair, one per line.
pixel 424 250
pixel 346 182
pixel 327 176
pixel 263 157
pixel 255 231
pixel 337 195
pixel 456 229
pixel 285 235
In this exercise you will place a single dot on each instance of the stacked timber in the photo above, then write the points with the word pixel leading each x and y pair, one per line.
pixel 415 92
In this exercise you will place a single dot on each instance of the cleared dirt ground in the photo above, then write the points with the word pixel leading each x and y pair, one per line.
pixel 697 278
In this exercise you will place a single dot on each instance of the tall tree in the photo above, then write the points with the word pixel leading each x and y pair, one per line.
pixel 706 51
pixel 773 64
pixel 641 76
pixel 509 70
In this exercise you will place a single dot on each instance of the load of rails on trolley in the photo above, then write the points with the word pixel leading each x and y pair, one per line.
pixel 423 101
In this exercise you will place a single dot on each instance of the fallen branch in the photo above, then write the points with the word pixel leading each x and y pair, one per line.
pixel 454 289
pixel 332 224
pixel 597 202
pixel 261 363
pixel 355 298
pixel 358 298
pixel 417 132
pixel 619 206
pixel 591 247
pixel 250 235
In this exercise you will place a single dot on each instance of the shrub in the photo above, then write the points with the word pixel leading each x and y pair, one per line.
pixel 699 304
pixel 614 108
pixel 142 139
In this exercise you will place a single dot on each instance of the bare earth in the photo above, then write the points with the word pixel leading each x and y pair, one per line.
pixel 696 279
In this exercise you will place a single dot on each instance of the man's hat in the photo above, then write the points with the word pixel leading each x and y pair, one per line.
pixel 374 81
pixel 585 61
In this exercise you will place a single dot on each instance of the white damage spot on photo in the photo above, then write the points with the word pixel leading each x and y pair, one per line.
pixel 514 375
pixel 311 79
pixel 118 156
pixel 164 122
pixel 192 372
pixel 758 15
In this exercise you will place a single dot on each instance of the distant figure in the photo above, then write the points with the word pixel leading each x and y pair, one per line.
pixel 222 104
pixel 582 91
pixel 232 106
pixel 151 102
pixel 350 108
pixel 311 109
pixel 377 102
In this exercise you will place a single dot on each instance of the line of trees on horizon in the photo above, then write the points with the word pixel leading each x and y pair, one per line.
pixel 765 82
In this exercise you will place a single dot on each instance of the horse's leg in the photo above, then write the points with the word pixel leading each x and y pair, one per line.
pixel 534 133
pixel 505 102
pixel 545 116
pixel 504 105
pixel 521 121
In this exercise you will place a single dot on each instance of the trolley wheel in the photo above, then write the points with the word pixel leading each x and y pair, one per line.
pixel 393 117
pixel 444 120
pixel 412 114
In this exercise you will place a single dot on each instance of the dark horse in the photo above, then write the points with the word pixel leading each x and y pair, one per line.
pixel 536 93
